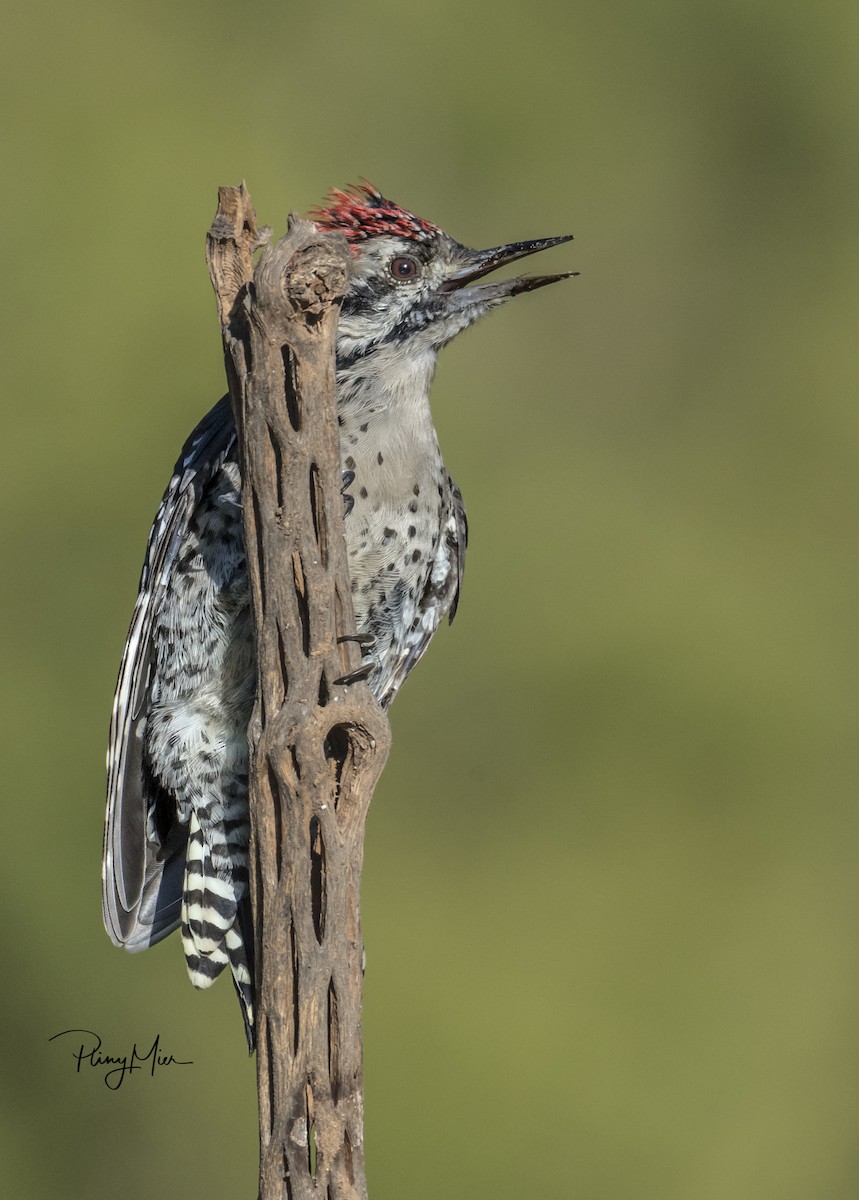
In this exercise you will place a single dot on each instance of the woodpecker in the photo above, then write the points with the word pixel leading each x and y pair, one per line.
pixel 177 824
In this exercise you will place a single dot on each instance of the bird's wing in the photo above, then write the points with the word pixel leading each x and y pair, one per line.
pixel 143 865
pixel 440 596
pixel 457 538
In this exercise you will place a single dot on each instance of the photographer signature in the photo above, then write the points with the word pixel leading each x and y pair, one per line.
pixel 118 1065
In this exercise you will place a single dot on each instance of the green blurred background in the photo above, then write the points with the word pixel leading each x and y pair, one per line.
pixel 610 898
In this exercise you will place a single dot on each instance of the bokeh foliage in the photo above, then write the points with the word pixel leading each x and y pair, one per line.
pixel 611 890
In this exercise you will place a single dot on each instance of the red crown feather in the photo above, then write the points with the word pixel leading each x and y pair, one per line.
pixel 363 212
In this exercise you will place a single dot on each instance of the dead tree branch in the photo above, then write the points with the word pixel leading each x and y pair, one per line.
pixel 317 746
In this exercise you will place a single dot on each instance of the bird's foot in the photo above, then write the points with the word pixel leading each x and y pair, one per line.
pixel 366 642
pixel 348 501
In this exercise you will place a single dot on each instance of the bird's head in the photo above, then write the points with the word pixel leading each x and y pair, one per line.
pixel 411 282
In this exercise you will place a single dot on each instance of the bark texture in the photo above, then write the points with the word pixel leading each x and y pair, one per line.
pixel 317 744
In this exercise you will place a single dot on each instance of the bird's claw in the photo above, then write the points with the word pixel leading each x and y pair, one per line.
pixel 365 640
pixel 348 501
pixel 355 676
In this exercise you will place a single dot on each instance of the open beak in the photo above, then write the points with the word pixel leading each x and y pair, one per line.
pixel 480 262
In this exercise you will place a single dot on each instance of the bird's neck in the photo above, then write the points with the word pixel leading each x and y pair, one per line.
pixel 384 414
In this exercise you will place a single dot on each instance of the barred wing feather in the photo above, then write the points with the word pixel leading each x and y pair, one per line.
pixel 144 857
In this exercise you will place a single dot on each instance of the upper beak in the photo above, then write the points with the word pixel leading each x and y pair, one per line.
pixel 481 262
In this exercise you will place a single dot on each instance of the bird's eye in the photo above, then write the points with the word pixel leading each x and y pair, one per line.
pixel 404 268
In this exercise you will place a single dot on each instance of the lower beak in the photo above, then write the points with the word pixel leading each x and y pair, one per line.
pixel 481 262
